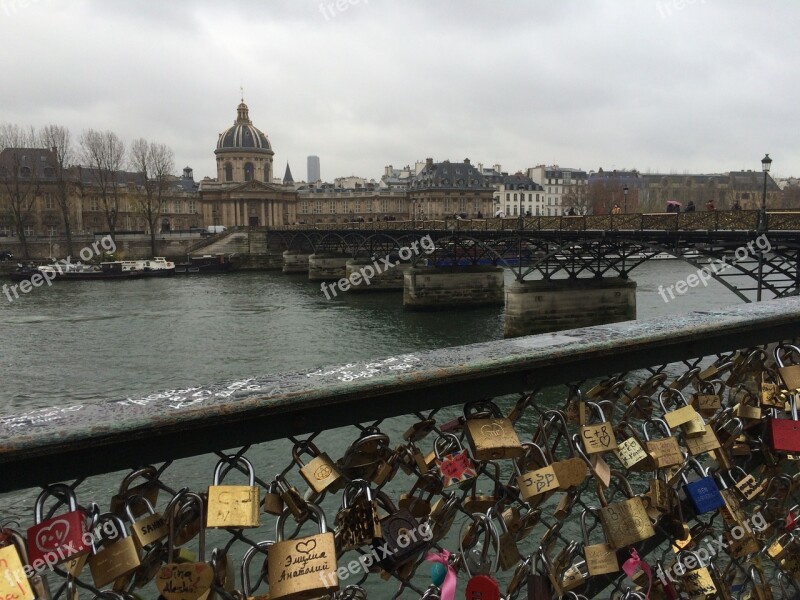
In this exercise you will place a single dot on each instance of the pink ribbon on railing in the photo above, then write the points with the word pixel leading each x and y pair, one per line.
pixel 635 563
pixel 450 579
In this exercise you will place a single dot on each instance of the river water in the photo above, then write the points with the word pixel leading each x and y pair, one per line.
pixel 83 342
pixel 96 340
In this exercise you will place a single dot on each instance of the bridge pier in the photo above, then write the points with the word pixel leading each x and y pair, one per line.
pixel 385 281
pixel 442 287
pixel 326 267
pixel 295 261
pixel 558 304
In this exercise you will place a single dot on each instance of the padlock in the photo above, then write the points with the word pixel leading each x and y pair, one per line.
pixel 601 559
pixel 292 498
pixel 357 521
pixel 419 430
pixel 708 398
pixel 481 585
pixel 415 502
pixel 148 530
pixel 748 406
pixel 695 581
pixel 320 473
pixel 673 522
pixel 247 559
pixel 570 470
pixel 365 455
pixel 599 437
pixel 770 389
pixel 666 452
pixel 789 373
pixel 191 580
pixel 273 503
pixel 684 417
pixel 704 493
pixel 624 522
pixel 443 514
pixel 402 537
pixel 783 435
pixel 303 567
pixel 14 583
pixel 454 463
pixel 149 489
pixel 481 502
pixel 490 435
pixel 59 538
pixel 722 365
pixel 541 481
pixel 631 451
pixel 234 506
pixel 114 557
pixel 222 566
pixel 508 552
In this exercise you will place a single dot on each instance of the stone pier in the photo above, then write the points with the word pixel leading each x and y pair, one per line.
pixel 542 306
pixel 295 262
pixel 326 267
pixel 444 287
pixel 386 281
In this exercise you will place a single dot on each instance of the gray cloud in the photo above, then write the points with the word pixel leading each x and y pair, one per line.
pixel 703 85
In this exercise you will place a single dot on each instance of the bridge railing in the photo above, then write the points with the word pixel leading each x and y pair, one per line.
pixel 742 220
pixel 365 416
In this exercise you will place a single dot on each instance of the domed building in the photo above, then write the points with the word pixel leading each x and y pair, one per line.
pixel 243 194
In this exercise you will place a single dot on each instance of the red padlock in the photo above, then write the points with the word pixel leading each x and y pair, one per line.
pixel 61 537
pixel 482 587
pixel 784 434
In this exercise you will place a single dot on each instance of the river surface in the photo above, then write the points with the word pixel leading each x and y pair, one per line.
pixel 95 340
pixel 83 342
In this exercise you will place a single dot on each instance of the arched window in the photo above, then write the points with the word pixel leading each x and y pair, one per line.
pixel 228 172
pixel 266 173
pixel 248 171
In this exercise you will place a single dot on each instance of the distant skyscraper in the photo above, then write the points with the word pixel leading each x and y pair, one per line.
pixel 313 169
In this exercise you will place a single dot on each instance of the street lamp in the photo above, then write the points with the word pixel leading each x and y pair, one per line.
pixel 625 195
pixel 766 162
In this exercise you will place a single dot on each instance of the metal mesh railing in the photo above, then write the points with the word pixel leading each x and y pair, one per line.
pixel 751 536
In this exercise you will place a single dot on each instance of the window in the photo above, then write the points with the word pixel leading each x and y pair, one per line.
pixel 25 171
pixel 304 207
pixel 178 208
pixel 28 231
pixel 192 207
pixel 332 207
pixel 508 197
pixel 228 172
pixel 462 205
pixel 384 205
pixel 52 230
pixel 358 205
pixel 93 204
pixel 318 207
pixel 248 171
pixel 515 197
pixel 447 205
pixel 48 202
pixel 266 173
pixel 164 208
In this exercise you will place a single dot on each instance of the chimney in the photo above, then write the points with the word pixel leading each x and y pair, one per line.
pixel 428 162
pixel 466 161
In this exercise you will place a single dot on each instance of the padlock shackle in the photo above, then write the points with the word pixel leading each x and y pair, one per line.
pixel 780 353
pixel 481 409
pixel 247 586
pixel 361 486
pixel 313 511
pixel 657 422
pixel 584 527
pixel 58 490
pixel 148 472
pixel 132 500
pixel 231 461
pixel 451 440
pixel 174 508
pixel 670 393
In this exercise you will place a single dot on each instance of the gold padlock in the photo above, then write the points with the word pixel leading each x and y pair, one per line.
pixel 150 527
pixel 304 567
pixel 116 559
pixel 601 559
pixel 597 438
pixel 624 522
pixel 789 374
pixel 149 489
pixel 492 436
pixel 234 506
pixel 321 473
pixel 13 583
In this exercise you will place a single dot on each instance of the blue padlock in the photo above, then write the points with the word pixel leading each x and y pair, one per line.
pixel 703 493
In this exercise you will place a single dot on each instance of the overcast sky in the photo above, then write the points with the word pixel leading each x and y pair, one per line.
pixel 680 86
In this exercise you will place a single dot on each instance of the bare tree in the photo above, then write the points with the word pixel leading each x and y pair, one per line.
pixel 59 141
pixel 19 174
pixel 155 163
pixel 103 152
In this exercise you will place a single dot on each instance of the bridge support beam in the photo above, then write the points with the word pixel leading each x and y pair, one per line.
pixel 554 305
pixel 295 262
pixel 326 267
pixel 433 288
pixel 372 280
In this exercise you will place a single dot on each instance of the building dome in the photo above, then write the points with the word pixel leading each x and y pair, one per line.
pixel 243 135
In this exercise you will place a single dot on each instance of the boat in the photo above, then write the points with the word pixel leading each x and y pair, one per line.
pixel 156 267
pixel 75 272
pixel 220 263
